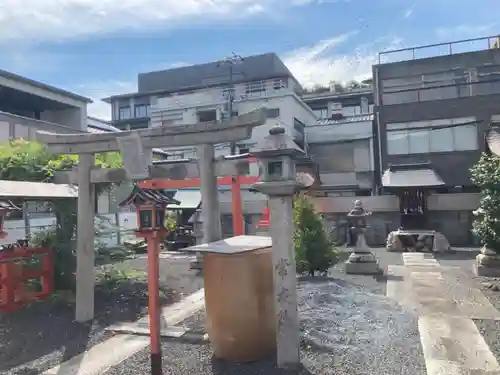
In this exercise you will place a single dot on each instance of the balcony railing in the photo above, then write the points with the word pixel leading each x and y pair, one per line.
pixel 217 96
pixel 439 49
pixel 14 126
pixel 439 92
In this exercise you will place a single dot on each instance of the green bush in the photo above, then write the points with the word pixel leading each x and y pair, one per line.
pixel 486 175
pixel 22 160
pixel 313 249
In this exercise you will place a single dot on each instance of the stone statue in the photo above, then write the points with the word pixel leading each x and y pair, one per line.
pixel 362 260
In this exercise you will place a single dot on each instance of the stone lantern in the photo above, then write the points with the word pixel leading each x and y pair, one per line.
pixel 150 205
pixel 276 156
pixel 362 260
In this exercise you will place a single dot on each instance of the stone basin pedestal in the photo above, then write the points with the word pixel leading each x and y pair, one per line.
pixel 362 260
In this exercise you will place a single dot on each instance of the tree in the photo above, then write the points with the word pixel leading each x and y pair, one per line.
pixel 313 249
pixel 22 160
pixel 486 175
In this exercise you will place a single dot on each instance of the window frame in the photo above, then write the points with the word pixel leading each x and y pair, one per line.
pixel 433 128
pixel 123 108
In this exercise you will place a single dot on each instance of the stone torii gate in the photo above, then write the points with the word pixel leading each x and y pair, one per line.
pixel 202 135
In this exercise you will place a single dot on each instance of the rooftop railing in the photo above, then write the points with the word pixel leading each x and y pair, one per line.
pixel 440 49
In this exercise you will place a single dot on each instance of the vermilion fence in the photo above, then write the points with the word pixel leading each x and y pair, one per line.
pixel 26 275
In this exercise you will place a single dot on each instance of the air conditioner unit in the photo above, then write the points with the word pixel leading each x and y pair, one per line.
pixel 335 108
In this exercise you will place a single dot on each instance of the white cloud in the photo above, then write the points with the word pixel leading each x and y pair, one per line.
pixel 316 64
pixel 319 64
pixel 59 20
pixel 408 12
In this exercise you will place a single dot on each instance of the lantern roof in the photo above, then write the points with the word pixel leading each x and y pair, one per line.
pixel 358 210
pixel 277 143
pixel 140 196
pixel 8 206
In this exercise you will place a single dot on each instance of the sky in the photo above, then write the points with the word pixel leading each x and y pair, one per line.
pixel 96 48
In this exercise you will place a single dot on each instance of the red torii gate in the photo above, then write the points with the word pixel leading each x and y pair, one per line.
pixel 234 181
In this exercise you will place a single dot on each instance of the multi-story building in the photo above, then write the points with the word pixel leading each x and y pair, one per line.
pixel 341 140
pixel 199 93
pixel 27 105
pixel 432 114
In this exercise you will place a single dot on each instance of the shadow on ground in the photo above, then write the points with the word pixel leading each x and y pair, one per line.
pixel 221 367
pixel 48 327
pixel 458 255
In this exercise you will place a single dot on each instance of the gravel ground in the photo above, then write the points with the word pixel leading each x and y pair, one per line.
pixel 44 334
pixel 348 326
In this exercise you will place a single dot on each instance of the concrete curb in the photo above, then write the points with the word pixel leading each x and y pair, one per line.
pixel 100 358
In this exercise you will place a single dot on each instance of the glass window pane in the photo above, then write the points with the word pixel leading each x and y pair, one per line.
pixel 418 141
pixel 441 140
pixel 397 142
pixel 124 113
pixel 465 138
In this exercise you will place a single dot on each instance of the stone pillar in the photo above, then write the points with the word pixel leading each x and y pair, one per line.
pixel 285 281
pixel 85 257
pixel 278 179
pixel 210 212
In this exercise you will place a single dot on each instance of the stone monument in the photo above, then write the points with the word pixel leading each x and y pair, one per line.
pixel 277 179
pixel 362 260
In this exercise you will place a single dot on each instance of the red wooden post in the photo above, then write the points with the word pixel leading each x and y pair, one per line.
pixel 154 303
pixel 8 287
pixel 47 279
pixel 237 207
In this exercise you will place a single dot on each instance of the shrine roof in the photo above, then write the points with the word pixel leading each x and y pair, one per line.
pixel 411 175
pixel 140 195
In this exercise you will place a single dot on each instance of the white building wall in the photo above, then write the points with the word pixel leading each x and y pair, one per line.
pixel 183 108
pixel 339 131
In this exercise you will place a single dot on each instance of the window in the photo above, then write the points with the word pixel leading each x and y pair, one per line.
pixel 204 116
pixel 124 113
pixel 141 110
pixel 351 110
pixel 321 113
pixel 413 138
pixel 298 125
pixel 273 113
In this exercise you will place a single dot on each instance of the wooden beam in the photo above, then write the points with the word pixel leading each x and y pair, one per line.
pixel 221 131
pixel 173 171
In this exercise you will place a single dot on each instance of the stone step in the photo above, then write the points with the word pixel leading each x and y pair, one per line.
pixel 454 346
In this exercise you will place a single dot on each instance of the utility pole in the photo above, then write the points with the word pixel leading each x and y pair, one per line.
pixel 237 209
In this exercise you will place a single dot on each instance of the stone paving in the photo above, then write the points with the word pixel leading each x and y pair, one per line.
pixel 446 301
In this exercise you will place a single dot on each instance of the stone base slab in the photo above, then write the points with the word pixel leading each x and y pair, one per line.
pixel 480 270
pixel 196 265
pixel 362 268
